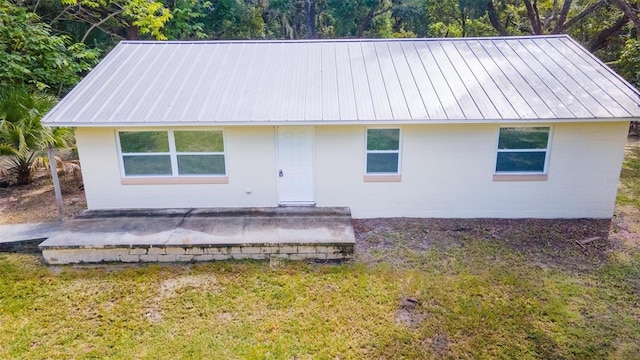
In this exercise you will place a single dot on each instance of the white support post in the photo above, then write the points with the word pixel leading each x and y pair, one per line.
pixel 56 181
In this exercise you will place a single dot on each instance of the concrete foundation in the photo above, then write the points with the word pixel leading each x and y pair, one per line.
pixel 189 235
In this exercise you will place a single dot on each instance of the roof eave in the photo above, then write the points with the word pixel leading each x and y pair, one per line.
pixel 339 122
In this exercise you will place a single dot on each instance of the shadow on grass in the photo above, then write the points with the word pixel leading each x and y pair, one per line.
pixel 22 247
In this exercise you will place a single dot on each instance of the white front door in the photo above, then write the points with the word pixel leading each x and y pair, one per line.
pixel 295 165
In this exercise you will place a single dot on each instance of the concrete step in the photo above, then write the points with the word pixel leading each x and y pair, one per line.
pixel 186 235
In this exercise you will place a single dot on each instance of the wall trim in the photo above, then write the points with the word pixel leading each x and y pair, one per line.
pixel 382 178
pixel 520 177
pixel 174 180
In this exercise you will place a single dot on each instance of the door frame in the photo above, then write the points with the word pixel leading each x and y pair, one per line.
pixel 312 200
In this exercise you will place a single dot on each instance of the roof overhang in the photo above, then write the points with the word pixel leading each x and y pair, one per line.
pixel 333 123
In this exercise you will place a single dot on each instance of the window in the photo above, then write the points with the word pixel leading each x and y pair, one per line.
pixel 172 153
pixel 383 151
pixel 522 150
pixel 200 152
pixel 145 153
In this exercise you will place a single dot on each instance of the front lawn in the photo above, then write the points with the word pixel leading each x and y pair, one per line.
pixel 415 291
pixel 473 301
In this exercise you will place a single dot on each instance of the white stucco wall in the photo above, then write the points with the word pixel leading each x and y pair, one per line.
pixel 250 156
pixel 447 171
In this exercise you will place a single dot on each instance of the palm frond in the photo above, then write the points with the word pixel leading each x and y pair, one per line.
pixel 22 136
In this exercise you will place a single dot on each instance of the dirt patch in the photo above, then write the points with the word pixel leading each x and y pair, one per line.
pixel 625 227
pixel 410 313
pixel 549 243
pixel 438 344
pixel 36 202
pixel 175 286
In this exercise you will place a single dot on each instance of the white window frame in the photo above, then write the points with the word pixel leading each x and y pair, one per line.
pixel 367 151
pixel 524 173
pixel 173 155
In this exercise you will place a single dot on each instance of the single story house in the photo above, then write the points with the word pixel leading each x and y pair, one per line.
pixel 505 127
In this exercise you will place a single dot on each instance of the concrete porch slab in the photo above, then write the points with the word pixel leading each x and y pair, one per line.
pixel 202 234
pixel 26 232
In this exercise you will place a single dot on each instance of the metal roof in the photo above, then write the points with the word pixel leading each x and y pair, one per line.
pixel 541 78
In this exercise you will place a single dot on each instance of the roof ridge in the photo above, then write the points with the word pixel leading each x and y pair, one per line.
pixel 342 40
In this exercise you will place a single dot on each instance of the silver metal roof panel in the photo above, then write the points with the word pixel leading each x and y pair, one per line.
pixel 537 79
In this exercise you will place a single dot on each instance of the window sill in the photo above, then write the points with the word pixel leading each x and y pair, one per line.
pixel 382 178
pixel 174 180
pixel 520 177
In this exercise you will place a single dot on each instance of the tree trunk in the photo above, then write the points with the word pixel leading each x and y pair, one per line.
pixel 600 41
pixel 364 24
pixel 463 20
pixel 23 173
pixel 312 32
pixel 133 32
pixel 534 16
pixel 563 16
pixel 588 10
pixel 630 12
pixel 495 19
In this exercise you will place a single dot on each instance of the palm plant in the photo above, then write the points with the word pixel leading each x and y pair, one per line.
pixel 22 137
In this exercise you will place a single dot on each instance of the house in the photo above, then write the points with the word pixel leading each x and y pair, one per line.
pixel 510 127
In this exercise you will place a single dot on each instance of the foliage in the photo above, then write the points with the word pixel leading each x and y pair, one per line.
pixel 458 18
pixel 372 18
pixel 148 16
pixel 30 54
pixel 349 15
pixel 187 20
pixel 602 26
pixel 234 19
pixel 629 63
pixel 410 18
pixel 22 137
pixel 118 18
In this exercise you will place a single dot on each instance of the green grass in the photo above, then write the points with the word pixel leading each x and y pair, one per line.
pixel 629 192
pixel 470 305
pixel 479 299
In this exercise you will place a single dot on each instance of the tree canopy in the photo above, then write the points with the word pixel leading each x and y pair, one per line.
pixel 31 54
pixel 67 36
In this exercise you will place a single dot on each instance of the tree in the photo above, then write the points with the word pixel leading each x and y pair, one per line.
pixel 187 19
pixel 22 137
pixel 30 54
pixel 355 18
pixel 631 11
pixel 602 26
pixel 110 20
pixel 410 18
pixel 458 18
pixel 234 19
pixel 606 18
pixel 629 63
